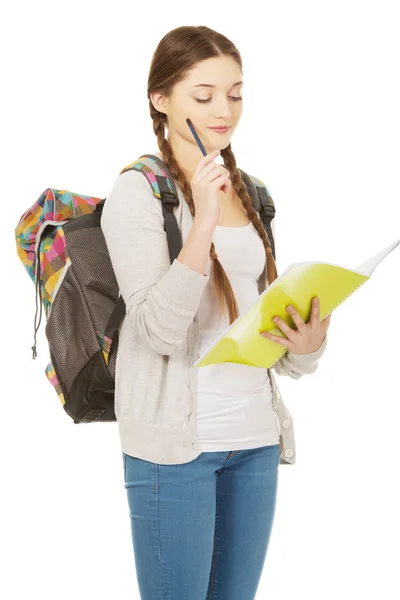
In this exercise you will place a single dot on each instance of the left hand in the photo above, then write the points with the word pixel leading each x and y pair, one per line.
pixel 308 337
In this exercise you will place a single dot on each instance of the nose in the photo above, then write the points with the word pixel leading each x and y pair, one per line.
pixel 223 110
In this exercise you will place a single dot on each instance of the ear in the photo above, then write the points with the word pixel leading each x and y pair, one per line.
pixel 159 102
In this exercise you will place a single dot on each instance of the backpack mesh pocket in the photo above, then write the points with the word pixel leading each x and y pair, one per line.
pixel 70 330
pixel 92 265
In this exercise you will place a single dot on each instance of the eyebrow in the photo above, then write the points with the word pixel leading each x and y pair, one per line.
pixel 213 86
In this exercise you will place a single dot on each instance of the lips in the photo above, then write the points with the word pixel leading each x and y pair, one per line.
pixel 220 128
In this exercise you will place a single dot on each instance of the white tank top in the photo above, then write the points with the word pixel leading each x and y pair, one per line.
pixel 234 401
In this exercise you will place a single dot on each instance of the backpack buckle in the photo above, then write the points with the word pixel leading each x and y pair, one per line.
pixel 268 209
pixel 168 198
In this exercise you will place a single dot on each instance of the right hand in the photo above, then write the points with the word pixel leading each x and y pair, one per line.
pixel 209 177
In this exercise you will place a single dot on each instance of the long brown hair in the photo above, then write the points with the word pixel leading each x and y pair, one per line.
pixel 174 56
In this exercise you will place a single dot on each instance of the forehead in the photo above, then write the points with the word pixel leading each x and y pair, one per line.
pixel 221 72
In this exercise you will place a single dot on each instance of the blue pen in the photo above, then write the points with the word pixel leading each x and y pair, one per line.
pixel 196 137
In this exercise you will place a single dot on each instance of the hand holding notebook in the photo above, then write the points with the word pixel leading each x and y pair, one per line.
pixel 331 284
pixel 308 337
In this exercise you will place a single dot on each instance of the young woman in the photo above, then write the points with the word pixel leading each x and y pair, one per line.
pixel 201 447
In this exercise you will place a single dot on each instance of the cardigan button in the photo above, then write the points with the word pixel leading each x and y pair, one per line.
pixel 288 453
pixel 286 423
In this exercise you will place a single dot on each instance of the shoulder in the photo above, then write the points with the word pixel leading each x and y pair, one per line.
pixel 131 196
pixel 132 179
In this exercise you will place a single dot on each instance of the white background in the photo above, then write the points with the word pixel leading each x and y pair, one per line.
pixel 321 128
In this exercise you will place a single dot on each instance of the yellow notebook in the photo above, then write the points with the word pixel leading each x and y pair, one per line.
pixel 242 342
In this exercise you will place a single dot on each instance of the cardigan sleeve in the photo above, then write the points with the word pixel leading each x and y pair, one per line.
pixel 297 365
pixel 161 298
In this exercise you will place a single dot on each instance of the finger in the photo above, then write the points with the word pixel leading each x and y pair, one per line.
pixel 288 331
pixel 204 175
pixel 326 322
pixel 210 157
pixel 301 326
pixel 276 338
pixel 207 162
pixel 315 314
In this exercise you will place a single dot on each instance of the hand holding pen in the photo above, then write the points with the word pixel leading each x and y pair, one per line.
pixel 208 179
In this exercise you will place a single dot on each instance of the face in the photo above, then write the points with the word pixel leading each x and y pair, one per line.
pixel 216 104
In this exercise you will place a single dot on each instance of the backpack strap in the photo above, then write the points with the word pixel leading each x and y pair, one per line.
pixel 163 187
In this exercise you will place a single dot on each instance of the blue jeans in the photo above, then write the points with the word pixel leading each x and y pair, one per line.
pixel 200 530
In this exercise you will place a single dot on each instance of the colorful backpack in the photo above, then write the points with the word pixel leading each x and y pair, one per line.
pixel 61 244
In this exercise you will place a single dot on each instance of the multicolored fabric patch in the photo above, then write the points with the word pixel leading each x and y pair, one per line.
pixel 150 168
pixel 52 207
pixel 105 345
pixel 52 377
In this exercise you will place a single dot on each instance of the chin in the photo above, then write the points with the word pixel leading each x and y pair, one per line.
pixel 216 144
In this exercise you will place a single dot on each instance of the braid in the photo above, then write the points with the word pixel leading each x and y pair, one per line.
pixel 223 286
pixel 241 191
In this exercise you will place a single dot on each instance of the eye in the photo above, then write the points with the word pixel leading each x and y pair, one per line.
pixel 209 99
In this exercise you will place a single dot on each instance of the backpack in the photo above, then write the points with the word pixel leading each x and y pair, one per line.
pixel 61 245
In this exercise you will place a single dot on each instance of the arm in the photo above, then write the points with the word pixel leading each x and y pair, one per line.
pixel 161 299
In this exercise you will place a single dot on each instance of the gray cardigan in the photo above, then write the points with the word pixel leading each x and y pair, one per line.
pixel 155 395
